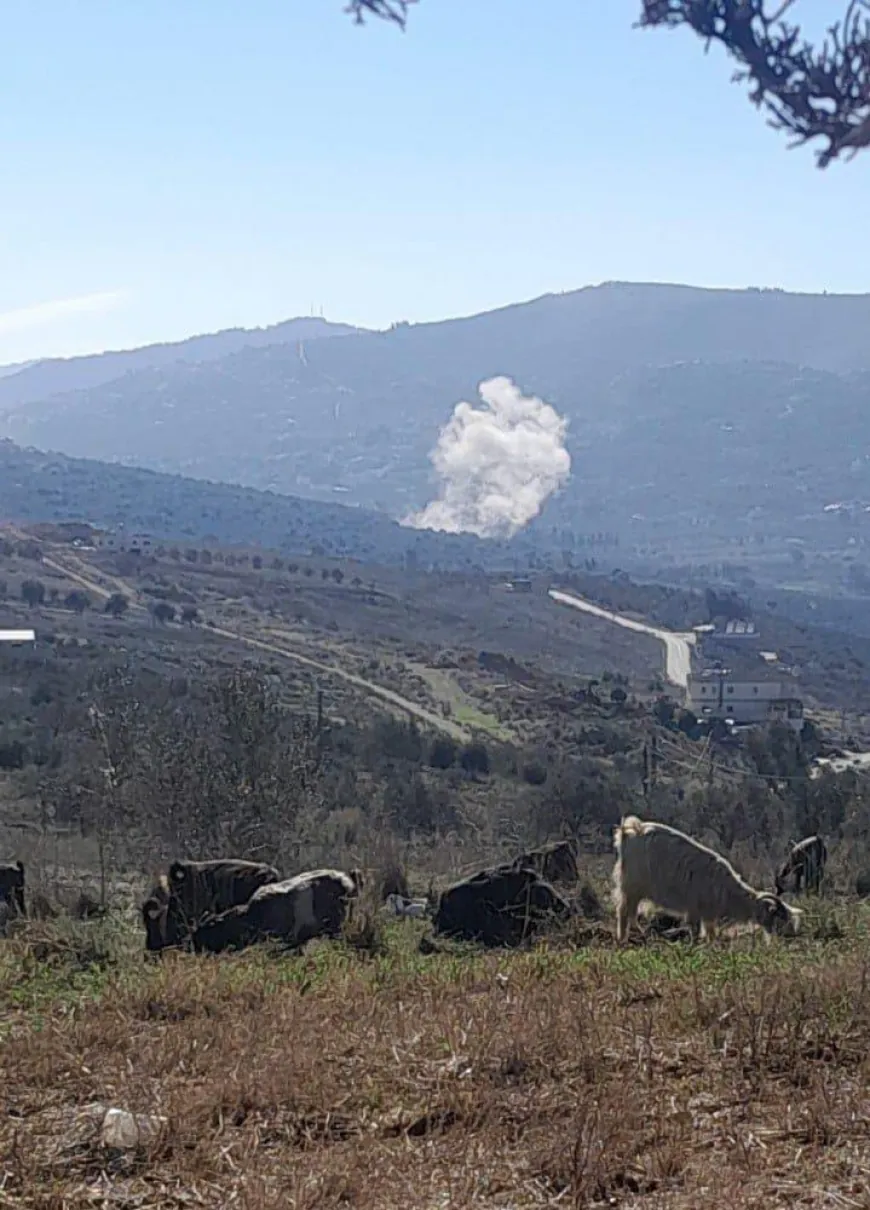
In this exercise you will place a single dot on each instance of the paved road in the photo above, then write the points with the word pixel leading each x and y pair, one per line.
pixel 678 647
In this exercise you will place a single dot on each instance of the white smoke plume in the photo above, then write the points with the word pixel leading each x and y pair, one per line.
pixel 498 463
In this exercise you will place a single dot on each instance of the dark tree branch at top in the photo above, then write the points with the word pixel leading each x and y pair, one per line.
pixel 812 92
pixel 388 10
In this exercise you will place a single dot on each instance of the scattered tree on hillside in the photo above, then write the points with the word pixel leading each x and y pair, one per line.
pixel 442 753
pixel 13 754
pixel 474 759
pixel 189 615
pixel 77 600
pixel 412 806
pixel 163 612
pixel 33 592
pixel 117 605
pixel 726 605
pixel 810 92
pixel 534 772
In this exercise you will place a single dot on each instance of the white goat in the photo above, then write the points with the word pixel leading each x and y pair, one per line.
pixel 660 864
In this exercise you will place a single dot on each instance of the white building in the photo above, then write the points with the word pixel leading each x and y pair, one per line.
pixel 716 694
pixel 17 636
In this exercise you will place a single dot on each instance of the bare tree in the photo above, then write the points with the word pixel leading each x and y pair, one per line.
pixel 232 772
pixel 227 771
pixel 811 92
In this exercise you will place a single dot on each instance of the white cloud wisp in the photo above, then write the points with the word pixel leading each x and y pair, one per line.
pixel 42 314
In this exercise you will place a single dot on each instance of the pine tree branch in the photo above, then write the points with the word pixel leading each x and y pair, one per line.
pixel 387 10
pixel 813 92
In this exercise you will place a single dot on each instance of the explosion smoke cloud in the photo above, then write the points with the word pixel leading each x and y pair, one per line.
pixel 498 463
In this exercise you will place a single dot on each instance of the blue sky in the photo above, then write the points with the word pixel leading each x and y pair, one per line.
pixel 176 167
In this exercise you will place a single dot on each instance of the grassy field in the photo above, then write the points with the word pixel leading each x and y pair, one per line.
pixel 663 1075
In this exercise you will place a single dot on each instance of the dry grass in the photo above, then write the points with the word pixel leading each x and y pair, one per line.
pixel 673 1076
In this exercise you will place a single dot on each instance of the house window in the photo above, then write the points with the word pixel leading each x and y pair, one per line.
pixel 729 709
pixel 730 688
pixel 755 689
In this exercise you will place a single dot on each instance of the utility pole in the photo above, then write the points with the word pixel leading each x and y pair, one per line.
pixel 645 778
pixel 650 764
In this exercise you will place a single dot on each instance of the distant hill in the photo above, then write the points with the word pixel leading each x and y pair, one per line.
pixel 699 418
pixel 20 385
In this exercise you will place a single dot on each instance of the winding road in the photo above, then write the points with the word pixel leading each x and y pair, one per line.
pixel 86 578
pixel 678 646
pixel 454 730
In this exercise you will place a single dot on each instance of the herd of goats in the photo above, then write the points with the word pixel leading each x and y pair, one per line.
pixel 212 906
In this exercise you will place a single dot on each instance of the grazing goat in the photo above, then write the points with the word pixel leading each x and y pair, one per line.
pixel 664 866
pixel 804 866
pixel 195 889
pixel 313 904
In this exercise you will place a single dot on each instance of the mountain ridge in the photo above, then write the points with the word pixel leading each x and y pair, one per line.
pixel 698 420
pixel 48 376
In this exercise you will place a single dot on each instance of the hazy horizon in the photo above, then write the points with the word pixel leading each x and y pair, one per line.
pixel 188 334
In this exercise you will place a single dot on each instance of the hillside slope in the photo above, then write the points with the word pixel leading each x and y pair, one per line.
pixel 51 487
